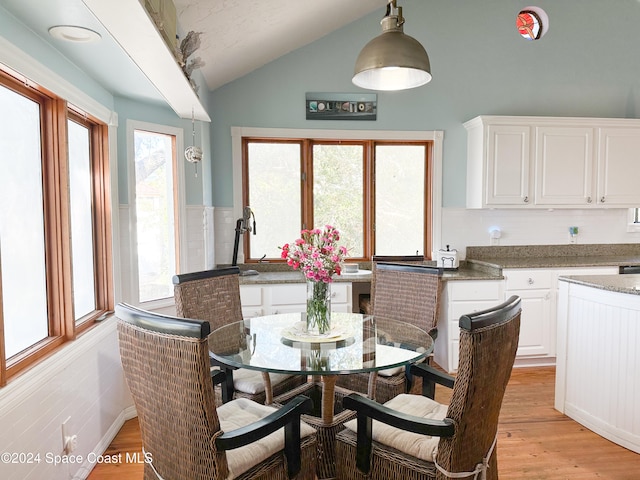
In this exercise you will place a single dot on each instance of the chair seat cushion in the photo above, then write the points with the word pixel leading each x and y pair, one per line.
pixel 391 354
pixel 241 412
pixel 423 447
pixel 250 381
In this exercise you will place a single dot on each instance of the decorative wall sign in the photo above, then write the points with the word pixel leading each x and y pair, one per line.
pixel 341 106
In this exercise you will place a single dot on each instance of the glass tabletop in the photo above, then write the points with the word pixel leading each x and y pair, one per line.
pixel 357 343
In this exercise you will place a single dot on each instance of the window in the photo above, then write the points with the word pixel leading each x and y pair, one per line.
pixel 156 193
pixel 375 192
pixel 633 220
pixel 55 254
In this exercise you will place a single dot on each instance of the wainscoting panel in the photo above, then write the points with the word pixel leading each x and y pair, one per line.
pixel 84 383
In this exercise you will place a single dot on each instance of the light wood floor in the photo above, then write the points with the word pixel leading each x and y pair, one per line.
pixel 535 442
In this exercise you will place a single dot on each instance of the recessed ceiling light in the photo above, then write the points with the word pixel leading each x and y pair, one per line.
pixel 72 33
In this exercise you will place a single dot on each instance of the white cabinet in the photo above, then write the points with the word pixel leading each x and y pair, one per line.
pixel 460 298
pixel 267 299
pixel 564 166
pixel 498 170
pixel 552 162
pixel 538 289
pixel 619 166
pixel 537 330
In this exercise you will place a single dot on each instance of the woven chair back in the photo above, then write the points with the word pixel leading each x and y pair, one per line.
pixel 410 293
pixel 212 295
pixel 166 366
pixel 408 259
pixel 488 344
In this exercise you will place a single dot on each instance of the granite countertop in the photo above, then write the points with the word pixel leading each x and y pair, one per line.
pixel 555 256
pixel 482 263
pixel 275 274
pixel 614 283
pixel 558 262
pixel 293 276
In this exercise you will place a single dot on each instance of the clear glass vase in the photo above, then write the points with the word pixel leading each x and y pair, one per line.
pixel 318 307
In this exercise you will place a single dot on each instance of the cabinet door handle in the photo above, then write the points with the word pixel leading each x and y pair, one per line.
pixel 526 199
pixel 530 281
pixel 602 200
pixel 589 200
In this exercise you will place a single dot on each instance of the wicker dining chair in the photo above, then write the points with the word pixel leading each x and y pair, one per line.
pixel 412 436
pixel 406 292
pixel 366 303
pixel 214 296
pixel 186 437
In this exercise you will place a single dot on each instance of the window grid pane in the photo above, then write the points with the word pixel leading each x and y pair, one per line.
pixel 274 171
pixel 338 193
pixel 22 250
pixel 399 204
pixel 156 246
pixel 82 241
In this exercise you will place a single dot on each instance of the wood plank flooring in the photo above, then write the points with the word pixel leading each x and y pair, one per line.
pixel 535 442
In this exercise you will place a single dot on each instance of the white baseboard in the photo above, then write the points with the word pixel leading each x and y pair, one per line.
pixel 99 450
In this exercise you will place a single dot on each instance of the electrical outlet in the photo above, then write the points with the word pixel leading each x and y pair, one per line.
pixel 494 236
pixel 573 234
pixel 69 442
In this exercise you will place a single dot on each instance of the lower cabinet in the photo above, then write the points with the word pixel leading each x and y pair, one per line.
pixel 460 298
pixel 538 290
pixel 537 322
pixel 269 299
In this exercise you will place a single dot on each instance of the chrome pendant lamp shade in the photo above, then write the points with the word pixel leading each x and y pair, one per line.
pixel 392 60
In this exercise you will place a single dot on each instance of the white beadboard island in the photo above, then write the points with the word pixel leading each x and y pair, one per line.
pixel 598 355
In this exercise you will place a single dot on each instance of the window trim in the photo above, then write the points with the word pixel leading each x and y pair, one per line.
pixel 62 327
pixel 632 225
pixel 435 136
pixel 180 207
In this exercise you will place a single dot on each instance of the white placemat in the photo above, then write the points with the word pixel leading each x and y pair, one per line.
pixel 298 333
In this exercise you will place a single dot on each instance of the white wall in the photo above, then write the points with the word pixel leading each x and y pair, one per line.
pixel 225 226
pixel 83 381
pixel 462 227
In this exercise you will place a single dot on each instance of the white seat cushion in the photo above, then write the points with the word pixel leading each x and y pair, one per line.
pixel 390 354
pixel 250 381
pixel 424 447
pixel 241 412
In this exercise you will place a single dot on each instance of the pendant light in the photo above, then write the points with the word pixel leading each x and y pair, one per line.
pixel 392 60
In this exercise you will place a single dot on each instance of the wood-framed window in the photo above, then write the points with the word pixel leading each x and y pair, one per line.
pixel 377 193
pixel 55 211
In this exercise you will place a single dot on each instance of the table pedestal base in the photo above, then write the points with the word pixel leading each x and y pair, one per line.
pixel 326 428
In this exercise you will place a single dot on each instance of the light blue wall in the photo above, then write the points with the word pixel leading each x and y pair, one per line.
pixel 34 46
pixel 198 189
pixel 587 65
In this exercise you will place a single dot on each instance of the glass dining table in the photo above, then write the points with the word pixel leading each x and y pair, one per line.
pixel 356 343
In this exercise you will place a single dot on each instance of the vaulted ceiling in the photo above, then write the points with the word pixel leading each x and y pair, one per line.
pixel 238 36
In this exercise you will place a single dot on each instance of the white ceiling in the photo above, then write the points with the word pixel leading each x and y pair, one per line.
pixel 238 36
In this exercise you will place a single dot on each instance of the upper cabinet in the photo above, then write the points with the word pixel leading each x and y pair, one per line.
pixel 619 165
pixel 545 162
